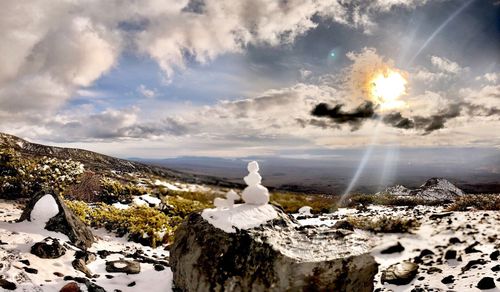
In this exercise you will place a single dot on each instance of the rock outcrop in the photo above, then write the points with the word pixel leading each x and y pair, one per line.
pixel 434 189
pixel 64 222
pixel 49 248
pixel 280 255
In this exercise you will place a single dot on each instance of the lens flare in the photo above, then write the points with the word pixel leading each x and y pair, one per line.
pixel 387 87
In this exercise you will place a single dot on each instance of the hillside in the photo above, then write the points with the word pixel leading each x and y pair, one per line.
pixel 103 164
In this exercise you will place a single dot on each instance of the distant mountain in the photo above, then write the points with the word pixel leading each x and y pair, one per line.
pixel 438 189
pixel 101 163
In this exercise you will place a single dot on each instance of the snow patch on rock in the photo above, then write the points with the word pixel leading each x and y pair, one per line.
pixel 43 210
pixel 241 216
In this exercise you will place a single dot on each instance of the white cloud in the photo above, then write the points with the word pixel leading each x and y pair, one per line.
pixel 489 77
pixel 446 65
pixel 146 92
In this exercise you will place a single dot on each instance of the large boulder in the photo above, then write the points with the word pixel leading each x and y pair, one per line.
pixel 65 221
pixel 280 255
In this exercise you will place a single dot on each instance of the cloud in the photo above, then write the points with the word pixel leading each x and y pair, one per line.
pixel 489 77
pixel 146 92
pixel 354 118
pixel 446 65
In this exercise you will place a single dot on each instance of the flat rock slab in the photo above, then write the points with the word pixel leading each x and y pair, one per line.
pixel 280 255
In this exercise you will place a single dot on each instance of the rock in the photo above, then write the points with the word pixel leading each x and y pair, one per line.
pixel 496 268
pixel 123 266
pixel 434 189
pixel 439 215
pixel 275 256
pixel 71 287
pixel 58 274
pixel 343 224
pixel 64 222
pixel 393 249
pixel 79 265
pixel 26 262
pixel 486 283
pixel 86 256
pixel 448 280
pixel 30 270
pixel 472 263
pixel 494 255
pixel 7 285
pixel 131 284
pixel 472 248
pixel 159 268
pixel 400 273
pixel 450 254
pixel 91 287
pixel 49 248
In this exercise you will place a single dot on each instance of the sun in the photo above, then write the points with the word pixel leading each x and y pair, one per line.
pixel 387 88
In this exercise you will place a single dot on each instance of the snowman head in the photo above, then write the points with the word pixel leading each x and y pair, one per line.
pixel 253 166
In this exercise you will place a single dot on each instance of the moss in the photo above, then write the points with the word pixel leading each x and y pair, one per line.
pixel 386 199
pixel 113 191
pixel 291 203
pixel 145 225
pixel 476 202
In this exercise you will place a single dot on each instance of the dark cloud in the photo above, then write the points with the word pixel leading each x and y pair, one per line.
pixel 427 124
pixel 354 118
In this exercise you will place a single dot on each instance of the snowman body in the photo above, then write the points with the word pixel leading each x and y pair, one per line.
pixel 254 193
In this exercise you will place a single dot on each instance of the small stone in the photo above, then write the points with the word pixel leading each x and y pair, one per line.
pixel 400 273
pixel 472 248
pixel 393 249
pixel 123 266
pixel 496 268
pixel 58 274
pixel 494 255
pixel 159 268
pixel 49 248
pixel 343 224
pixel 30 270
pixel 26 262
pixel 109 276
pixel 455 240
pixel 132 284
pixel 450 254
pixel 448 280
pixel 472 263
pixel 486 283
pixel 70 287
pixel 7 285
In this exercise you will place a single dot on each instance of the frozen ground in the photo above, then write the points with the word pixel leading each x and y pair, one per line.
pixel 473 235
pixel 16 240
pixel 458 231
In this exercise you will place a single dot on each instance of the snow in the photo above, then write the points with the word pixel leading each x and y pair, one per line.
pixel 241 216
pixel 167 185
pixel 43 210
pixel 469 227
pixel 121 206
pixel 21 236
pixel 146 200
pixel 306 210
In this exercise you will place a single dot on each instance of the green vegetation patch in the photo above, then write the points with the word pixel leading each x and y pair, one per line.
pixel 476 202
pixel 145 225
pixel 291 203
pixel 356 200
pixel 384 224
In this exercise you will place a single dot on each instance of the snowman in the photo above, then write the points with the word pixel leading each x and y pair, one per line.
pixel 228 202
pixel 254 193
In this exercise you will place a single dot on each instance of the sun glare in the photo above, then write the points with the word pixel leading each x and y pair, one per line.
pixel 387 88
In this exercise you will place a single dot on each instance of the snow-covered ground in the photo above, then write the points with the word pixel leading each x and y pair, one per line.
pixel 456 231
pixel 16 240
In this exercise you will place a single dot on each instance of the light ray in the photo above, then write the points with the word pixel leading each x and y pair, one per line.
pixel 439 29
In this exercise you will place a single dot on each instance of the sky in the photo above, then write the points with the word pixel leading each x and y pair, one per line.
pixel 226 78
